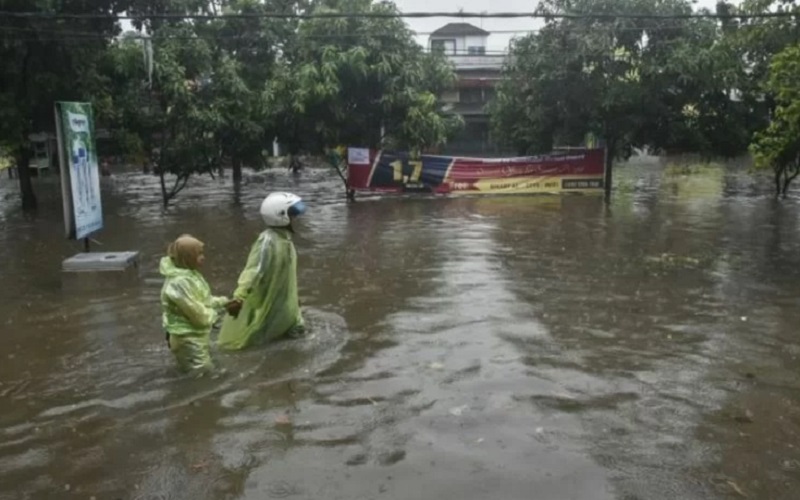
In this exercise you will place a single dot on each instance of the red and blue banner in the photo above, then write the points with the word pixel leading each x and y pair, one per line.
pixel 576 170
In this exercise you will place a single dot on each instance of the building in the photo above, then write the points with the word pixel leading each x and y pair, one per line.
pixel 478 70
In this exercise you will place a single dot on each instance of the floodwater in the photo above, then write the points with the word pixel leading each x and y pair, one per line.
pixel 547 348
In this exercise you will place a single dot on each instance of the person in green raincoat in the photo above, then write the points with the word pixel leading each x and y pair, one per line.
pixel 188 308
pixel 266 295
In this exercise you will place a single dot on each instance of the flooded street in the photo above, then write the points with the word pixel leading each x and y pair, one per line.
pixel 548 348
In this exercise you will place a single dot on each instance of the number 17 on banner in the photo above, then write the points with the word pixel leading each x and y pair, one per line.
pixel 400 176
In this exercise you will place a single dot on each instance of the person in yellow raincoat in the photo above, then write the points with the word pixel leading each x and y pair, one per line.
pixel 266 295
pixel 188 309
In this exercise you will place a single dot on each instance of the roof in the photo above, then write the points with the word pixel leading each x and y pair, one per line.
pixel 459 29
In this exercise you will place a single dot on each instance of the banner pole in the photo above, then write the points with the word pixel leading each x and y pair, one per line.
pixel 607 174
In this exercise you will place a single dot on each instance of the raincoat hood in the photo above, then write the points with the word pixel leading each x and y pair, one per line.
pixel 168 269
pixel 185 252
pixel 188 306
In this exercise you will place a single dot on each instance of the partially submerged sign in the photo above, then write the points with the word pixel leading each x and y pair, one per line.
pixel 93 271
pixel 80 177
pixel 83 208
pixel 576 170
pixel 101 261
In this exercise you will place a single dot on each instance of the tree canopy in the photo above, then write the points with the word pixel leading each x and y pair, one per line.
pixel 671 83
pixel 362 81
pixel 778 146
pixel 197 96
pixel 46 60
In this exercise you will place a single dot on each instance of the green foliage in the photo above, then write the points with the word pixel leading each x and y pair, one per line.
pixel 208 105
pixel 43 63
pixel 698 103
pixel 350 79
pixel 764 47
pixel 665 83
pixel 249 54
pixel 778 147
pixel 222 89
pixel 176 119
pixel 756 40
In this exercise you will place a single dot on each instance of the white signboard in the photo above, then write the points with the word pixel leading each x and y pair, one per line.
pixel 358 156
pixel 80 176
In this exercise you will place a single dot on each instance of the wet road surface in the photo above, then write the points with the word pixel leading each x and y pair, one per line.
pixel 475 348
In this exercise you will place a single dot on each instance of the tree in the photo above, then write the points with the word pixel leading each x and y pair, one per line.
pixel 207 105
pixel 360 81
pixel 695 84
pixel 46 60
pixel 635 82
pixel 244 120
pixel 177 119
pixel 764 48
pixel 251 49
pixel 756 40
pixel 219 90
pixel 778 146
pixel 581 75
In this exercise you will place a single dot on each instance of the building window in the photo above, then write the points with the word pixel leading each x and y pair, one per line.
pixel 476 51
pixel 471 96
pixel 443 46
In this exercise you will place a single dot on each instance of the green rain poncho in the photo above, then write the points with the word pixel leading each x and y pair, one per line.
pixel 268 289
pixel 188 313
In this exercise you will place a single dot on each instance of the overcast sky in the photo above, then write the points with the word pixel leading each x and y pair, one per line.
pixel 497 41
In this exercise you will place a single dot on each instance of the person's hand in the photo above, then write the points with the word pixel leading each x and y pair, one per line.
pixel 233 307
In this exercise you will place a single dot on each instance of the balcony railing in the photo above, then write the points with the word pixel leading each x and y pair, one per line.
pixel 471 61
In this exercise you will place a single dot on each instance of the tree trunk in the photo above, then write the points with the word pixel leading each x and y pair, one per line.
pixel 24 174
pixel 778 184
pixel 608 179
pixel 336 162
pixel 787 180
pixel 237 170
pixel 164 194
pixel 785 186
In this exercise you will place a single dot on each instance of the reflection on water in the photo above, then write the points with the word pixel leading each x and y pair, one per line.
pixel 461 348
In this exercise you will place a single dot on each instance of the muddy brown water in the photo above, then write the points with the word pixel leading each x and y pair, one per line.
pixel 475 348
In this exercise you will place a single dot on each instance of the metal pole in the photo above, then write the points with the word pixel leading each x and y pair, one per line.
pixel 86 242
pixel 607 173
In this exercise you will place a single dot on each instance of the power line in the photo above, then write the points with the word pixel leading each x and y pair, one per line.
pixel 393 15
pixel 66 34
pixel 36 29
pixel 135 34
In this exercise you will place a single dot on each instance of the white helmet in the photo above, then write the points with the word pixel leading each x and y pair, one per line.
pixel 278 207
